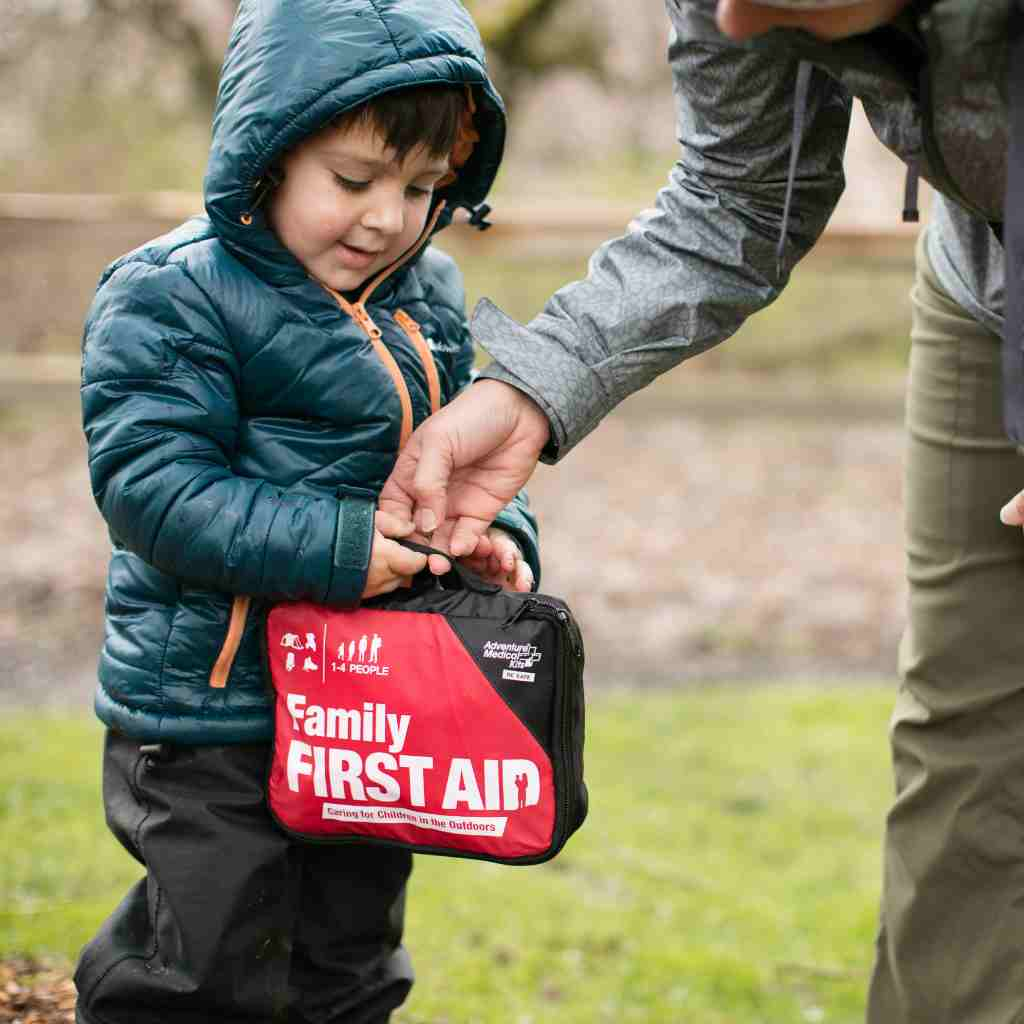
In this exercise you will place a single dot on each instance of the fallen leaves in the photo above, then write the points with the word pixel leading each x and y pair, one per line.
pixel 32 992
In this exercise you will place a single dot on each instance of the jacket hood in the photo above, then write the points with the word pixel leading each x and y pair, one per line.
pixel 293 65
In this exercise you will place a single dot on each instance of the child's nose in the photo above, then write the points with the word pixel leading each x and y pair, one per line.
pixel 386 213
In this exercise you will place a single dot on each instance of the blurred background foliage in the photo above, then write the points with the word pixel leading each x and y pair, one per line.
pixel 116 95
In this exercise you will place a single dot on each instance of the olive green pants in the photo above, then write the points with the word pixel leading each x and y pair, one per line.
pixel 951 942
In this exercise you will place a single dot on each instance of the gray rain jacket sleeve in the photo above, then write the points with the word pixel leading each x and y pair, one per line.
pixel 689 272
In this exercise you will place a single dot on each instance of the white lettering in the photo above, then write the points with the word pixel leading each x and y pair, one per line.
pixel 319 772
pixel 298 752
pixel 417 766
pixel 492 791
pixel 344 768
pixel 315 720
pixel 398 726
pixel 295 702
pixel 461 786
pixel 386 789
pixel 343 724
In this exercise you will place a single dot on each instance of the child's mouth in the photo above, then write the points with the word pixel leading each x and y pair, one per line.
pixel 356 258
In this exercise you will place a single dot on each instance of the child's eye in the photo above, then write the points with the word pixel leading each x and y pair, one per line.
pixel 350 184
pixel 418 192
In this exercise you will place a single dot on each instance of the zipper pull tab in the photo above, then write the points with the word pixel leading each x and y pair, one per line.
pixel 518 613
pixel 365 321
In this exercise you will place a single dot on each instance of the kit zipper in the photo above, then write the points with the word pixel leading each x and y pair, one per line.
pixel 570 658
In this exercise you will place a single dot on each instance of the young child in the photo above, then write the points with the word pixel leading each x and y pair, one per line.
pixel 248 380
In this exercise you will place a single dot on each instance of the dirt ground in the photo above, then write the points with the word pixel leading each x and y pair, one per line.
pixel 35 993
pixel 722 547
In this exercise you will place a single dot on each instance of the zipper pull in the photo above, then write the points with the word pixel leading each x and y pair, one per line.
pixel 518 613
pixel 363 318
pixel 563 617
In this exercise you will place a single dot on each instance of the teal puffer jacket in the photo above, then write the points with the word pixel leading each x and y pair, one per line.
pixel 240 419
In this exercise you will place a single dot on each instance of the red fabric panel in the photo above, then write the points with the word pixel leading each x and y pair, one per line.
pixel 385 727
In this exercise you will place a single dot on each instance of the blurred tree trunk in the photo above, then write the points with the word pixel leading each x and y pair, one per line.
pixel 520 34
pixel 197 29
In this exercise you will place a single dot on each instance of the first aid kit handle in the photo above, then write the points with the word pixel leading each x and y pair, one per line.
pixel 460 578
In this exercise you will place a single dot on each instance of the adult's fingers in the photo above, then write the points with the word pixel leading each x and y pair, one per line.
pixel 390 524
pixel 431 455
pixel 492 432
pixel 1012 513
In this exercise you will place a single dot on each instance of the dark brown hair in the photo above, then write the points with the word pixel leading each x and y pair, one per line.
pixel 420 115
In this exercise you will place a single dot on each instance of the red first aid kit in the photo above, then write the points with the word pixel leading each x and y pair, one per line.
pixel 447 720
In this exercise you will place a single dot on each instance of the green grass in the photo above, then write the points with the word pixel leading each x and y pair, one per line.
pixel 728 872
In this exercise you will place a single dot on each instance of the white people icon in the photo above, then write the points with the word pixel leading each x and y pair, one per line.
pixel 374 644
pixel 520 781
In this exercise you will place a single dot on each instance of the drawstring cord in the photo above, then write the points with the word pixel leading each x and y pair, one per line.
pixel 803 84
pixel 911 214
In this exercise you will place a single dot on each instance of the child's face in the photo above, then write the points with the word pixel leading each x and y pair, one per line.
pixel 346 208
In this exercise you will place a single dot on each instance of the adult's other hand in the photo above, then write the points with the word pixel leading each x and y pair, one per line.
pixel 1012 513
pixel 465 464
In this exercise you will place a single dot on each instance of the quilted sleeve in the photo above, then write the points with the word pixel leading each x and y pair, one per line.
pixel 161 414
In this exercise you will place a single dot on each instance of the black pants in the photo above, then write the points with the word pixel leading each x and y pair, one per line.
pixel 234 921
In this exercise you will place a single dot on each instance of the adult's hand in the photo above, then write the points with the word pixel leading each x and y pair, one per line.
pixel 1012 513
pixel 465 464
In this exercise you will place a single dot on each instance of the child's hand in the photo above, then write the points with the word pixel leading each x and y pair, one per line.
pixel 499 559
pixel 391 565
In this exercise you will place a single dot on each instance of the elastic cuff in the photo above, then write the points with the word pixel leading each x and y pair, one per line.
pixel 353 543
pixel 571 393
pixel 551 452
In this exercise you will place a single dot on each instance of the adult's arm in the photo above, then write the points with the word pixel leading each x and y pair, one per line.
pixel 689 272
pixel 683 278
